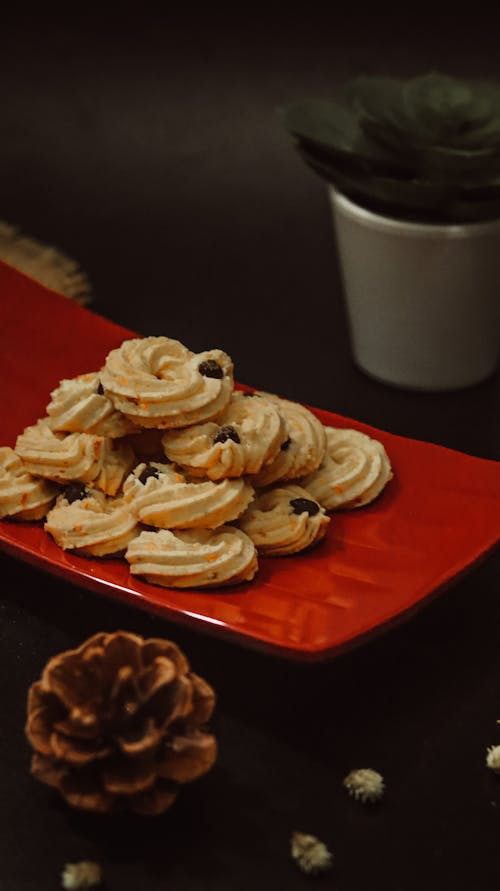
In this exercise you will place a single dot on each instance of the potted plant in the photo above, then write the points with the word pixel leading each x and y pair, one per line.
pixel 413 169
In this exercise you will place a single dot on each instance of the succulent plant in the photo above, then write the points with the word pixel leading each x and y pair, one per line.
pixel 427 148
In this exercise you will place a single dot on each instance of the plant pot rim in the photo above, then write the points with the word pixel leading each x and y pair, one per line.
pixel 379 221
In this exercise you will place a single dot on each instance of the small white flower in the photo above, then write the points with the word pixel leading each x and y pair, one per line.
pixel 365 784
pixel 81 875
pixel 310 854
pixel 493 758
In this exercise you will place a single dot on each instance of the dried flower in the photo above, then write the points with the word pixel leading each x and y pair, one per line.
pixel 493 758
pixel 310 854
pixel 85 874
pixel 365 784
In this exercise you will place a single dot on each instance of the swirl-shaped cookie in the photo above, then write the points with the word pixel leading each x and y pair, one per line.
pixel 21 495
pixel 85 521
pixel 161 495
pixel 198 558
pixel 62 456
pixel 354 471
pixel 303 449
pixel 245 436
pixel 80 405
pixel 284 520
pixel 158 382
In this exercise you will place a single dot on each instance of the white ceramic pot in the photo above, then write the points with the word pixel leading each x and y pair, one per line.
pixel 423 300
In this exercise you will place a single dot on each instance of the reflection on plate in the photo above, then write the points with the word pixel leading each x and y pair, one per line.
pixel 436 518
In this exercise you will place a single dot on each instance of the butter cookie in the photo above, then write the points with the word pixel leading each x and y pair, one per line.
pixel 303 449
pixel 158 382
pixel 62 456
pixel 22 496
pixel 197 558
pixel 284 520
pixel 80 405
pixel 162 495
pixel 244 437
pixel 86 521
pixel 355 470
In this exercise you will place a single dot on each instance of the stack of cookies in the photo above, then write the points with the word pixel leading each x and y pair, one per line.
pixel 156 457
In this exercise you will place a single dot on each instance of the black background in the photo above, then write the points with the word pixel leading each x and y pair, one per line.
pixel 147 145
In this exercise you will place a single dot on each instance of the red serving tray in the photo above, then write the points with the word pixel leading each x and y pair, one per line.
pixel 437 517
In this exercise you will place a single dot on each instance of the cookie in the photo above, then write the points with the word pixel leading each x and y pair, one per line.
pixel 162 495
pixel 355 470
pixel 244 437
pixel 80 405
pixel 21 495
pixel 197 558
pixel 303 449
pixel 158 382
pixel 87 522
pixel 62 456
pixel 284 520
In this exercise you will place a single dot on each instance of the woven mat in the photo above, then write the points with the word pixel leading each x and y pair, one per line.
pixel 46 264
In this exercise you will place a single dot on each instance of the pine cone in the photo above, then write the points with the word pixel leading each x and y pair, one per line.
pixel 118 723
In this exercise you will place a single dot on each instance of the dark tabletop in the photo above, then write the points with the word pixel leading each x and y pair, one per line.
pixel 148 148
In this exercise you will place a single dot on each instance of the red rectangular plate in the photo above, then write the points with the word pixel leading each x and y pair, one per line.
pixel 436 518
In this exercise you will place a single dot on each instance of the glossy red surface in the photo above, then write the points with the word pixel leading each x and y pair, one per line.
pixel 436 518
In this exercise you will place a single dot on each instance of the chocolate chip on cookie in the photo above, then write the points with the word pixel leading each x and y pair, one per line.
pixel 304 505
pixel 210 368
pixel 285 445
pixel 227 432
pixel 147 473
pixel 75 492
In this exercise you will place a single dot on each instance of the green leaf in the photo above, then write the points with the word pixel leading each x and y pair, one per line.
pixel 430 110
pixel 385 189
pixel 425 146
pixel 411 199
pixel 457 164
pixel 331 127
